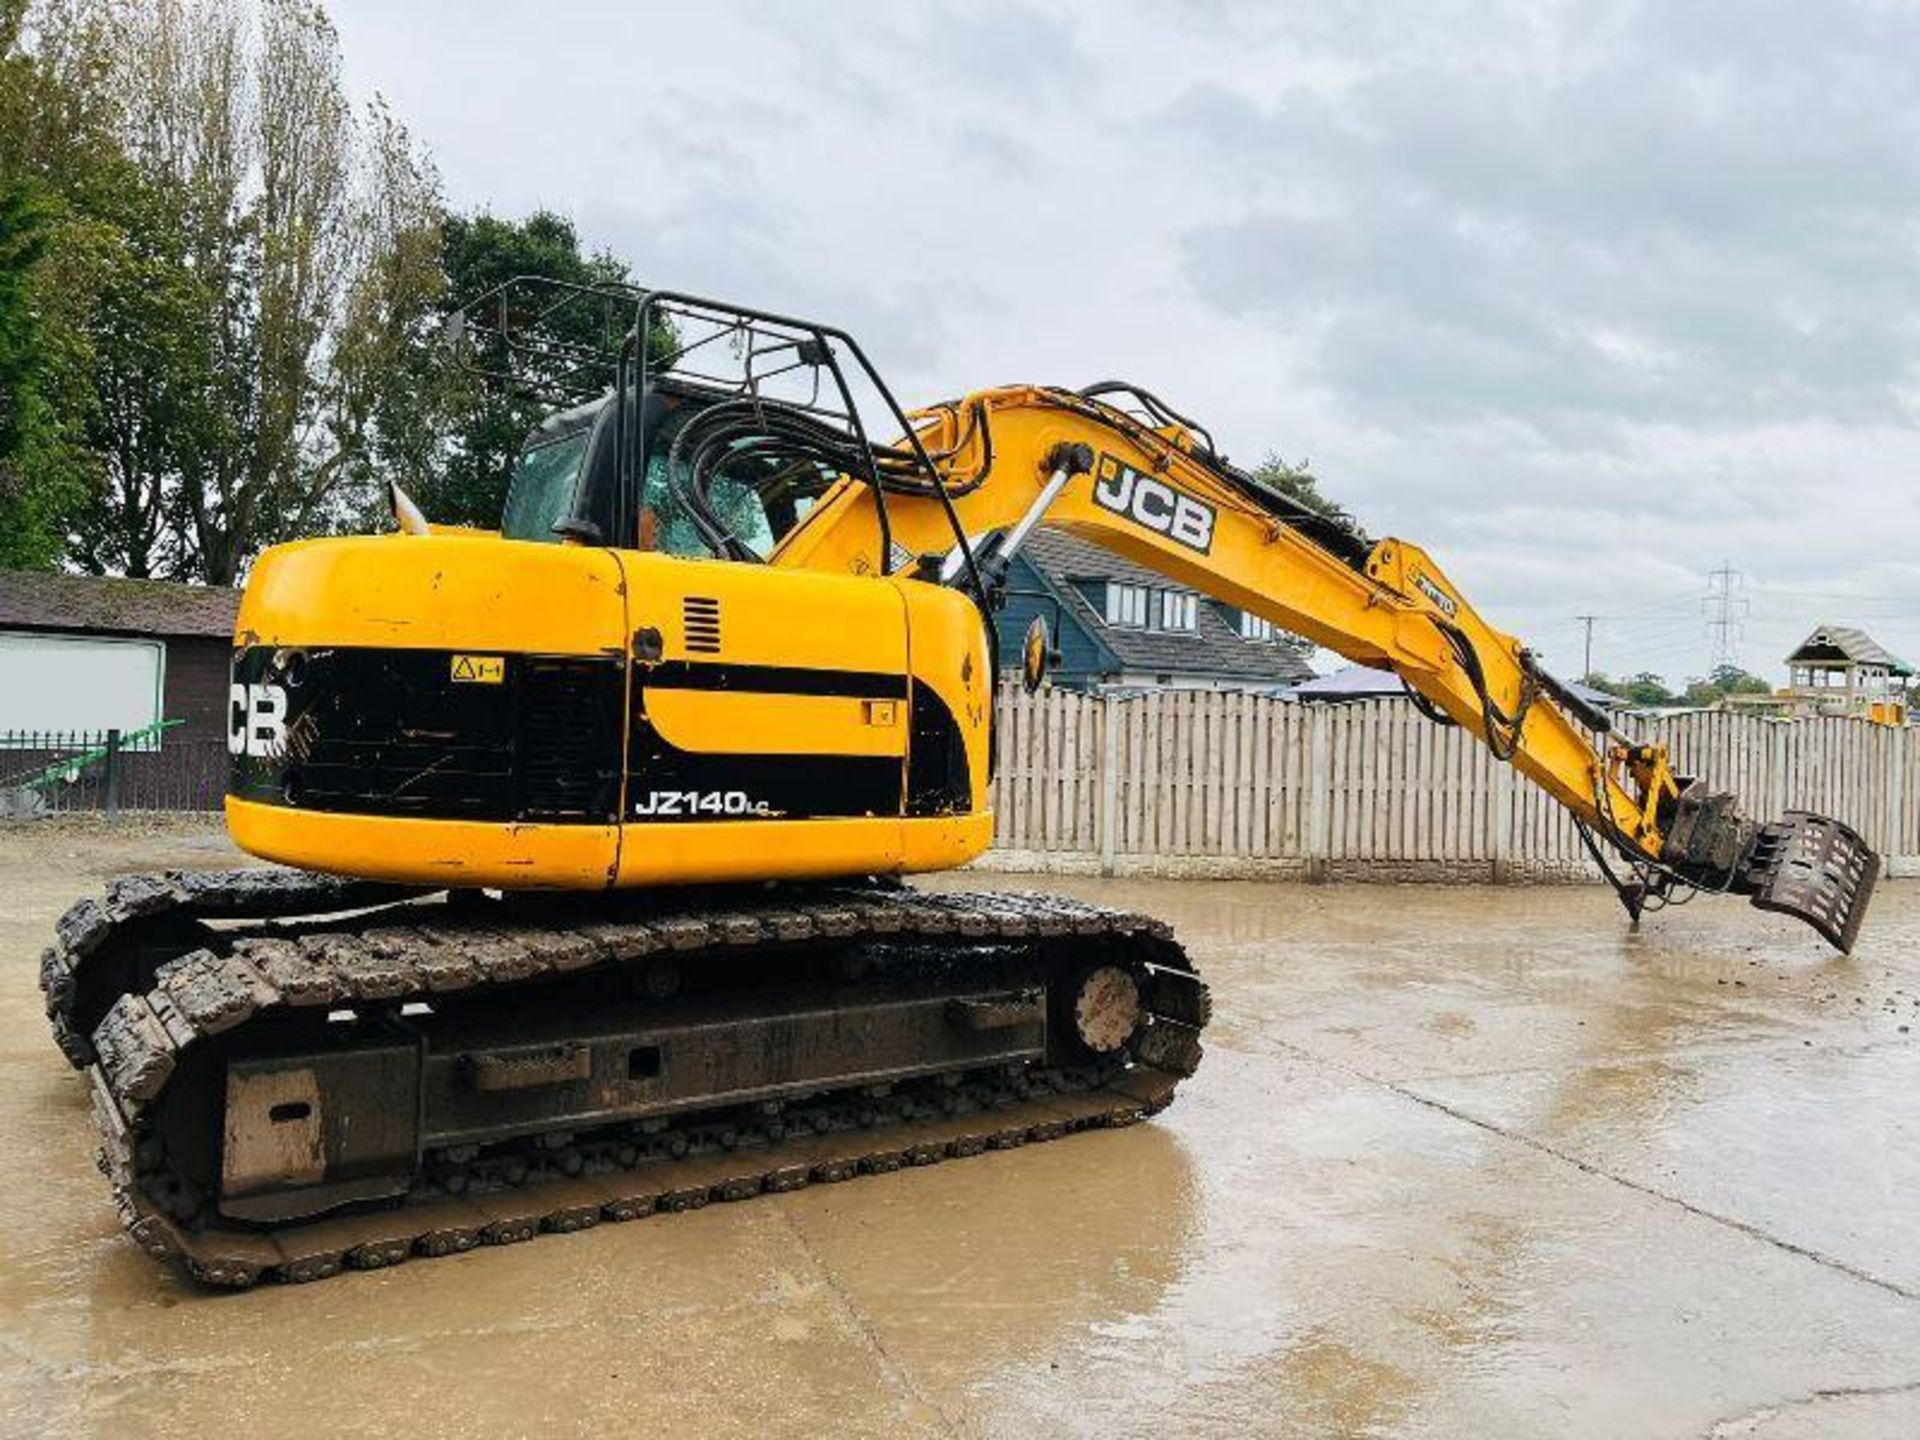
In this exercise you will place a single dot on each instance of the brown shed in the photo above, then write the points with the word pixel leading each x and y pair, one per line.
pixel 89 653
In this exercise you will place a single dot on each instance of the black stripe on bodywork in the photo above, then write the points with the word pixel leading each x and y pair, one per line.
pixel 386 732
pixel 818 786
pixel 938 779
pixel 772 679
pixel 776 787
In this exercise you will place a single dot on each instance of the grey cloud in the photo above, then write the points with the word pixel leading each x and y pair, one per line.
pixel 997 149
pixel 1017 48
pixel 1660 235
pixel 734 248
pixel 896 61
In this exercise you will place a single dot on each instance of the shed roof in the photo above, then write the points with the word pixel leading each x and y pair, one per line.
pixel 1360 682
pixel 1213 650
pixel 43 601
pixel 1845 644
pixel 1351 682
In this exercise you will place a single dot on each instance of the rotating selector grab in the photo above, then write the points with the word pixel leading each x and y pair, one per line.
pixel 1809 866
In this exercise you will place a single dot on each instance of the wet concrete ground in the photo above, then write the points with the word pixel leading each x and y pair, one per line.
pixel 1461 1162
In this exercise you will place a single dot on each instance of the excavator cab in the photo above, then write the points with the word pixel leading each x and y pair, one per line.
pixel 567 481
pixel 714 436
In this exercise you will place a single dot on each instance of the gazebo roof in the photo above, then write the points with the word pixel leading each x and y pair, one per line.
pixel 1846 645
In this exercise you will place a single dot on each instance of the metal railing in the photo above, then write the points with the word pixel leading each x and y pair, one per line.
pixel 108 771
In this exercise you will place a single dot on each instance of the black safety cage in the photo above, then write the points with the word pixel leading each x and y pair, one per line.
pixel 551 341
pixel 564 344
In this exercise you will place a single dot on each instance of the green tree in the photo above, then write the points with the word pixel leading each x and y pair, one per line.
pixel 236 243
pixel 1297 482
pixel 54 148
pixel 393 398
pixel 491 421
pixel 30 503
pixel 1645 688
pixel 153 413
pixel 222 293
pixel 291 220
pixel 1724 680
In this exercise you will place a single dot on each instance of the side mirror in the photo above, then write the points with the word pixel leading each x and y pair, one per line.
pixel 1036 654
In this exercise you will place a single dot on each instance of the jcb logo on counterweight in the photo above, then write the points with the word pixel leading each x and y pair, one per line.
pixel 256 720
pixel 1152 502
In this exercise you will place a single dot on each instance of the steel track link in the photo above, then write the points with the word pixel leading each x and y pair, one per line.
pixel 407 951
pixel 97 949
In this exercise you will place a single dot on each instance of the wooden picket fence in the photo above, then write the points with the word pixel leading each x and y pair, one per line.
pixel 1217 783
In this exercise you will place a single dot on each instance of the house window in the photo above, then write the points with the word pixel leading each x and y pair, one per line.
pixel 1127 605
pixel 1138 607
pixel 1252 627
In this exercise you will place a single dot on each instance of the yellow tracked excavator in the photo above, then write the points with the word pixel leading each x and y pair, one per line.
pixel 593 826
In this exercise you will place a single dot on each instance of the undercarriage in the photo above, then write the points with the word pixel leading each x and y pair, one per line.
pixel 294 1074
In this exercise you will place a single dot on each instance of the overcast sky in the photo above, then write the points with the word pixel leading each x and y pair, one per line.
pixel 1587 299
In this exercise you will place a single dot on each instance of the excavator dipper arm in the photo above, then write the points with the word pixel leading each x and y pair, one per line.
pixel 1150 488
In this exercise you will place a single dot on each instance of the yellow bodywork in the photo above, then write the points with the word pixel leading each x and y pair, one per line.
pixel 478 595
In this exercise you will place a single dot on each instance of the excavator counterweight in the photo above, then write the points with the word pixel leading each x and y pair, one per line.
pixel 594 827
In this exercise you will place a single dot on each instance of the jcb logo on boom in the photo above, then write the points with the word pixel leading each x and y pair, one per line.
pixel 256 720
pixel 1448 605
pixel 1153 503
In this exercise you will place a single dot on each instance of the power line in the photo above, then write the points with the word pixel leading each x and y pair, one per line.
pixel 1659 630
pixel 1860 596
pixel 1687 601
pixel 1655 629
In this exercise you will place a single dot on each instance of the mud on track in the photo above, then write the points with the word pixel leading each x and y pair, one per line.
pixel 1459 1162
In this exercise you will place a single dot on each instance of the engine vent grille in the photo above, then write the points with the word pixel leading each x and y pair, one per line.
pixel 701 618
pixel 568 738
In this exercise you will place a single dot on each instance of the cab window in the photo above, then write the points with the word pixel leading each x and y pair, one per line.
pixel 541 492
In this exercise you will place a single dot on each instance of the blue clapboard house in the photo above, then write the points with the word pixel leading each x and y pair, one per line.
pixel 1120 626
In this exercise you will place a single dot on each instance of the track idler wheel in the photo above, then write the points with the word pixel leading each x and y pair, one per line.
pixel 1101 1009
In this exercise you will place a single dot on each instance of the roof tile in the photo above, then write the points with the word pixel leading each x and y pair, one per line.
pixel 1216 650
pixel 44 601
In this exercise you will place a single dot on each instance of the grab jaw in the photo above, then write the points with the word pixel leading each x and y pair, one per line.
pixel 1814 868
